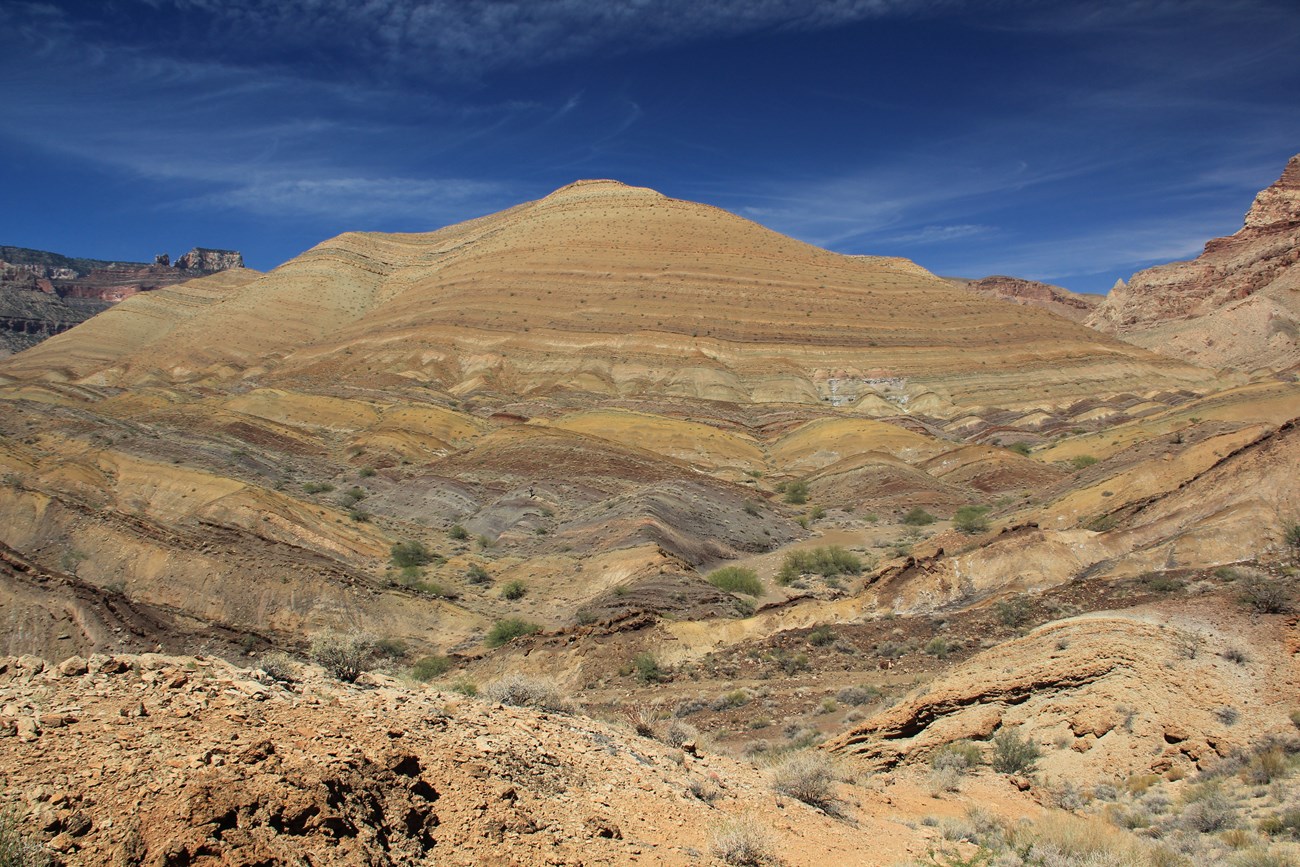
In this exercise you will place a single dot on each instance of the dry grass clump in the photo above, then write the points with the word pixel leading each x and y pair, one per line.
pixel 16 848
pixel 521 691
pixel 809 777
pixel 278 665
pixel 743 841
pixel 345 657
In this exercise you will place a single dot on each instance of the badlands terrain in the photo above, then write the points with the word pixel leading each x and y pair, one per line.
pixel 613 528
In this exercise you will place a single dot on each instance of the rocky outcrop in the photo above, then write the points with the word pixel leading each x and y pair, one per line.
pixel 1236 305
pixel 210 261
pixel 1057 299
pixel 76 289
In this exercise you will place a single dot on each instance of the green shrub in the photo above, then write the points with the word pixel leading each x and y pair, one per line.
pixel 458 532
pixel 1013 612
pixel 1012 754
pixel 827 562
pixel 796 493
pixel 465 686
pixel 428 667
pixel 476 574
pixel 507 630
pixel 1291 536
pixel 1020 448
pixel 390 648
pixel 737 579
pixel 821 636
pixel 1080 462
pixel 366 472
pixel 938 647
pixel 1266 596
pixel 514 590
pixel 918 517
pixel 971 519
pixel 278 665
pixel 751 509
pixel 816 513
pixel 857 695
pixel 317 487
pixel 345 657
pixel 352 496
pixel 648 669
pixel 404 554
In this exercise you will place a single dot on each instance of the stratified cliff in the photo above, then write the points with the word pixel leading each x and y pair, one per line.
pixel 1236 305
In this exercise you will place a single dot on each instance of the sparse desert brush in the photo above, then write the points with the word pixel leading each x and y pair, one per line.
pixel 1208 808
pixel 959 755
pixel 521 691
pixel 16 848
pixel 737 579
pixel 514 590
pixel 796 493
pixel 677 733
pixel 1080 462
pixel 857 695
pixel 821 636
pixel 458 533
pixel 648 669
pixel 345 657
pixel 508 629
pixel 278 665
pixel 1013 612
pixel 1071 841
pixel 742 842
pixel 428 667
pixel 1013 754
pixel 828 562
pixel 1266 595
pixel 807 776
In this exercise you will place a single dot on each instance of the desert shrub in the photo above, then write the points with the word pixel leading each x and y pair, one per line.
pixel 508 629
pixel 1020 448
pixel 1189 644
pixel 891 649
pixel 278 665
pixel 366 472
pixel 16 848
pixel 958 755
pixel 426 668
pixel 816 513
pixel 458 533
pixel 352 496
pixel 1161 583
pixel 1266 596
pixel 821 636
pixel 807 776
pixel 938 647
pixel 361 516
pixel 1291 535
pixel 514 590
pixel 521 691
pixel 1208 809
pixel 345 657
pixel 1062 840
pixel 317 487
pixel 791 663
pixel 1227 715
pixel 465 686
pixel 751 509
pixel 1080 462
pixel 918 517
pixel 796 493
pixel 857 695
pixel 678 733
pixel 828 562
pixel 410 553
pixel 706 788
pixel 1013 612
pixel 971 519
pixel 742 842
pixel 1013 754
pixel 1279 824
pixel 390 648
pixel 1235 654
pixel 737 579
pixel 1265 766
pixel 436 589
pixel 648 669
pixel 476 574
pixel 734 698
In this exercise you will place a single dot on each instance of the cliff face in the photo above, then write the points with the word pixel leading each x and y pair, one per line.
pixel 1233 306
pixel 1032 293
pixel 43 293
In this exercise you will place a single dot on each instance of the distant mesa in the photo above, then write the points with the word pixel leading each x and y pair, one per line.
pixel 43 293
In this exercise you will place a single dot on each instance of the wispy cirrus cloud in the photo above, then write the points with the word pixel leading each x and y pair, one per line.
pixel 432 202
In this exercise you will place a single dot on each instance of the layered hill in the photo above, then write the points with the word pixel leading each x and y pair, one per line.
pixel 1237 305
pixel 1059 300
pixel 606 289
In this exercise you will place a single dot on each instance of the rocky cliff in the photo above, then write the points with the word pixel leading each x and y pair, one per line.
pixel 43 293
pixel 1236 305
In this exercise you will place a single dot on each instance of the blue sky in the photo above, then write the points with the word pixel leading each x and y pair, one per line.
pixel 1069 142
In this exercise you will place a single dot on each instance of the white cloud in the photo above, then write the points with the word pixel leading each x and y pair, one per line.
pixel 428 201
